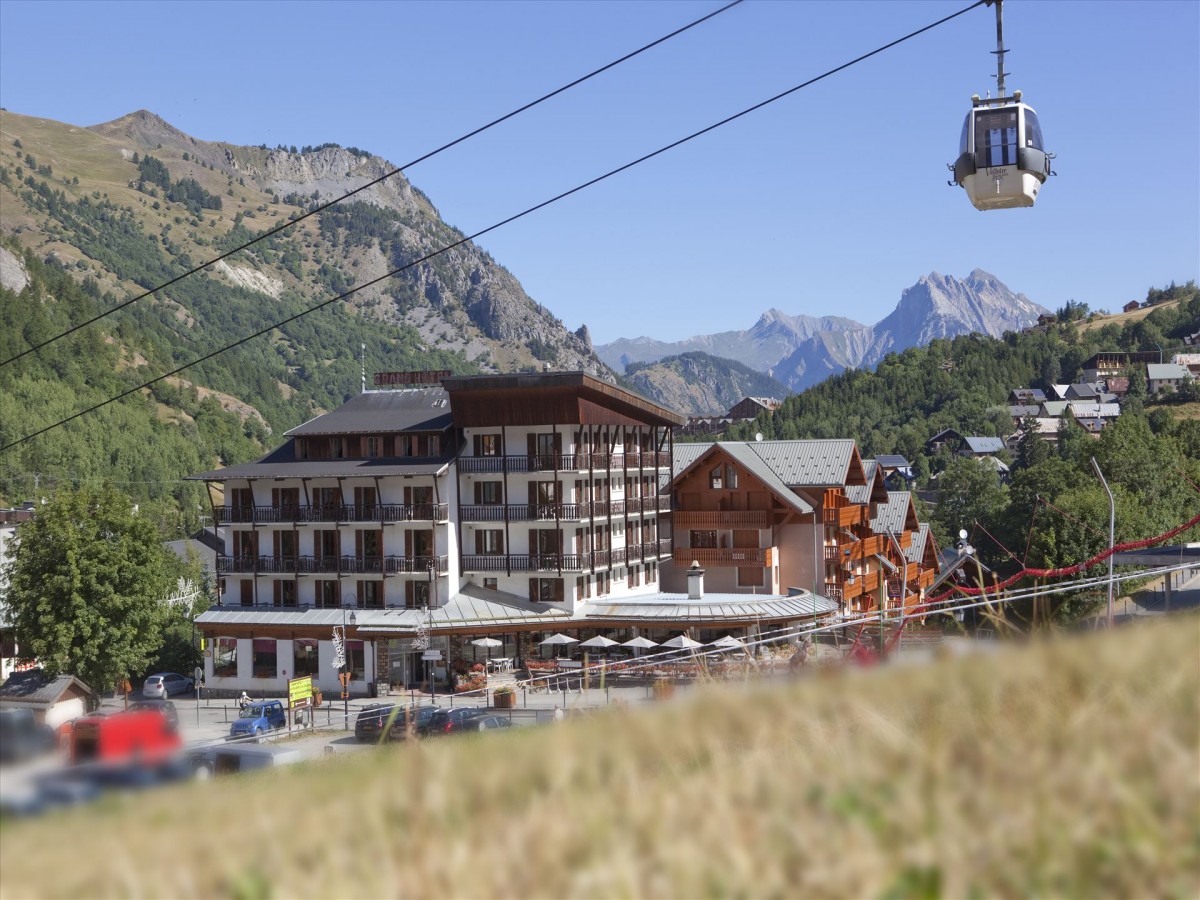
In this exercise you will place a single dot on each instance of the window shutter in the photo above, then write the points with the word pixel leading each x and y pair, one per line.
pixel 533 589
pixel 408 543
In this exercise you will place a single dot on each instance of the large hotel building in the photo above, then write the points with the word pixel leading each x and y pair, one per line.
pixel 502 506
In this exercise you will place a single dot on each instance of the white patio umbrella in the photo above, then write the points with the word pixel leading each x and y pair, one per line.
pixel 682 642
pixel 640 643
pixel 729 642
pixel 558 639
pixel 488 643
pixel 599 641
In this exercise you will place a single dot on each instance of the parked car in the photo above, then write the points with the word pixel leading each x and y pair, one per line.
pixel 487 723
pixel 166 684
pixel 22 736
pixel 257 718
pixel 373 720
pixel 451 721
pixel 166 707
pixel 228 759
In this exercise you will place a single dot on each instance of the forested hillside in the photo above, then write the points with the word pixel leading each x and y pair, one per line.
pixel 1052 511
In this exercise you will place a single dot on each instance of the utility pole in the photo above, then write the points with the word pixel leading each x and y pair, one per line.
pixel 1112 519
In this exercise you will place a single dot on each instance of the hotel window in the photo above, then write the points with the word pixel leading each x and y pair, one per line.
pixel 635 576
pixel 489 542
pixel 304 652
pixel 264 659
pixel 651 573
pixel 491 584
pixel 285 593
pixel 488 493
pixel 372 447
pixel 583 587
pixel 416 594
pixel 370 594
pixel 546 590
pixel 487 445
pixel 225 658
pixel 704 540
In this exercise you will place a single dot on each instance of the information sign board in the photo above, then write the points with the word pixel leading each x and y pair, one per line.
pixel 299 691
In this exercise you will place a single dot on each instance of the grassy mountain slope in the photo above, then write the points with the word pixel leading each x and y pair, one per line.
pixel 94 216
pixel 1060 768
pixel 699 384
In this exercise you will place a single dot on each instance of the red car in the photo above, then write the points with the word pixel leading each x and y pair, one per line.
pixel 142 735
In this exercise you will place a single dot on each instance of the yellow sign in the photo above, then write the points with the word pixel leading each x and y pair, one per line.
pixel 300 691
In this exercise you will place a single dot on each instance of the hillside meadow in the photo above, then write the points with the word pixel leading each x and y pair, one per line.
pixel 1058 768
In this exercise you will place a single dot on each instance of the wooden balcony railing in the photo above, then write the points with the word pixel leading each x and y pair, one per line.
pixel 845 516
pixel 711 519
pixel 753 557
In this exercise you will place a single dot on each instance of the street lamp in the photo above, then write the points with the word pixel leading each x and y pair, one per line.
pixel 430 600
pixel 1112 518
pixel 346 660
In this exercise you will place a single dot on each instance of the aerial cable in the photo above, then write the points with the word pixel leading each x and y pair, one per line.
pixel 488 229
pixel 312 212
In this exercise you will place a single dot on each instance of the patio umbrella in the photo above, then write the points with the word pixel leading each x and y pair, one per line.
pixel 559 639
pixel 729 642
pixel 599 641
pixel 489 643
pixel 682 642
pixel 640 643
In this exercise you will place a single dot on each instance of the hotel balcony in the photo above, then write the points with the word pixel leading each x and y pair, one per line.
pixel 524 562
pixel 721 520
pixel 383 513
pixel 330 565
pixel 751 557
pixel 569 462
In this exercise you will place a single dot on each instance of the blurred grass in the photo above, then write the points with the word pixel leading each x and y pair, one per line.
pixel 1064 768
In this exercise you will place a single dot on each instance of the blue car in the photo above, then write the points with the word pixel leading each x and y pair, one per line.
pixel 257 718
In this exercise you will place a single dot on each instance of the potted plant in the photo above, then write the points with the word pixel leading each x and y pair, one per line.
pixel 317 696
pixel 504 697
pixel 663 688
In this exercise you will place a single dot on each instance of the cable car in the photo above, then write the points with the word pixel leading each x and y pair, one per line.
pixel 1002 162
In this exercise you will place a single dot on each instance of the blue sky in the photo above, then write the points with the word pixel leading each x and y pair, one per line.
pixel 830 202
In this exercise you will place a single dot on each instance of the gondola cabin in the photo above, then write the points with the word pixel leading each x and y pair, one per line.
pixel 1002 162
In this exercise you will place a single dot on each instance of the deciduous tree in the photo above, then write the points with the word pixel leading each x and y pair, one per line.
pixel 87 585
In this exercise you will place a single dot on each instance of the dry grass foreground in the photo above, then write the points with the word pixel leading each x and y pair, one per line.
pixel 1058 769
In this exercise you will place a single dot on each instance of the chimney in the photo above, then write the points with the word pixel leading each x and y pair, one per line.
pixel 695 577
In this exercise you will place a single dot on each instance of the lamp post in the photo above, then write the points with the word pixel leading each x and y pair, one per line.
pixel 346 661
pixel 1112 521
pixel 430 601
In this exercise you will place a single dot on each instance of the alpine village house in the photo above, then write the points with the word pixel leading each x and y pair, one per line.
pixel 516 506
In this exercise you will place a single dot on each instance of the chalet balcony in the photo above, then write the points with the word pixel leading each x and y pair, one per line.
pixel 863 547
pixel 845 516
pixel 721 520
pixel 749 557
pixel 383 513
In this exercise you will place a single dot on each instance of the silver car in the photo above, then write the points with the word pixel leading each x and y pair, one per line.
pixel 166 684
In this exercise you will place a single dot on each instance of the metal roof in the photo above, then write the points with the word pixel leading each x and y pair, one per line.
pixel 714 607
pixel 861 493
pixel 1054 408
pixel 745 454
pixel 683 455
pixel 1082 410
pixel 984 444
pixel 282 463
pixel 916 550
pixel 379 412
pixel 1020 412
pixel 813 463
pixel 891 461
pixel 472 605
pixel 894 516
pixel 34 687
